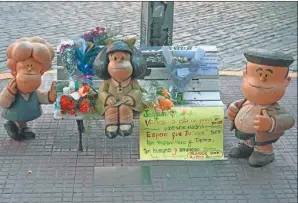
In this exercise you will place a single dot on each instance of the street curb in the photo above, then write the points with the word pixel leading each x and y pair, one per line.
pixel 240 73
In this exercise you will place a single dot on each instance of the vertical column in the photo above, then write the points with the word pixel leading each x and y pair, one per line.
pixel 157 23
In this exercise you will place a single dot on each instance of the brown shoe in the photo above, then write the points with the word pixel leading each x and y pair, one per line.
pixel 259 159
pixel 12 130
pixel 242 151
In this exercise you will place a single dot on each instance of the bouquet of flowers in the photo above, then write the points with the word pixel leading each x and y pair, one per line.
pixel 79 54
pixel 82 101
pixel 183 66
pixel 158 98
pixel 98 35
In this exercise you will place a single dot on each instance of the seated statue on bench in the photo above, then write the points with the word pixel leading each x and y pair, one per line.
pixel 119 64
pixel 27 59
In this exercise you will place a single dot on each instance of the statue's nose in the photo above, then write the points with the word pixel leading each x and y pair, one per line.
pixel 263 79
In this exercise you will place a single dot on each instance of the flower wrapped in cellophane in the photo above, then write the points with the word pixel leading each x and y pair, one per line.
pixel 158 98
pixel 79 53
pixel 79 102
pixel 183 65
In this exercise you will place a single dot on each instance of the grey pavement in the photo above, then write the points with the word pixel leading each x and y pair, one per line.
pixel 61 174
pixel 231 26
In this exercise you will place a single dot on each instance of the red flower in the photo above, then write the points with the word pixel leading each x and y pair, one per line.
pixel 84 106
pixel 66 105
pixel 73 112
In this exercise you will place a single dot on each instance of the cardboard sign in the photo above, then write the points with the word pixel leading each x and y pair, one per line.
pixel 186 133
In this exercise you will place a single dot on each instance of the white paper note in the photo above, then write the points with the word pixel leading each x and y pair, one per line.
pixel 183 72
pixel 75 95
pixel 168 55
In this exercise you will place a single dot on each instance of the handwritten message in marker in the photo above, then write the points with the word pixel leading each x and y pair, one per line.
pixel 186 133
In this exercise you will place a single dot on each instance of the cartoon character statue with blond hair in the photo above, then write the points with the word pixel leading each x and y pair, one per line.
pixel 27 59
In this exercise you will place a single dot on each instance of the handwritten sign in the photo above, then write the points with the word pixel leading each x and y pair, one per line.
pixel 186 133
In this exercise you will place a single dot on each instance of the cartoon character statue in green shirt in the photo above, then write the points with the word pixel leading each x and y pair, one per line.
pixel 27 59
pixel 119 64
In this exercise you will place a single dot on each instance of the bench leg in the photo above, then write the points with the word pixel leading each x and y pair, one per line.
pixel 81 130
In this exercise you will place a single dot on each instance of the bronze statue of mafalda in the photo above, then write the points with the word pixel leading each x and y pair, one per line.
pixel 119 64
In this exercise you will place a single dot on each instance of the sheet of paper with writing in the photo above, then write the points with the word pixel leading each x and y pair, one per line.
pixel 186 133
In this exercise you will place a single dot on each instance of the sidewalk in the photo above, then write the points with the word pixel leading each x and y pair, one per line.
pixel 61 174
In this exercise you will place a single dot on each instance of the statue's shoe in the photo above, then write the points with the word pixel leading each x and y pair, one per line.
pixel 12 130
pixel 112 134
pixel 259 159
pixel 126 132
pixel 242 151
pixel 27 133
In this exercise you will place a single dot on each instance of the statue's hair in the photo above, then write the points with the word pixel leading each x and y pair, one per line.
pixel 25 48
pixel 101 63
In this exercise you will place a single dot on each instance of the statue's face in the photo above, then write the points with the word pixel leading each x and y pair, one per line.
pixel 263 84
pixel 120 67
pixel 28 75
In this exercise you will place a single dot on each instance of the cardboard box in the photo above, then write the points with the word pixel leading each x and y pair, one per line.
pixel 157 23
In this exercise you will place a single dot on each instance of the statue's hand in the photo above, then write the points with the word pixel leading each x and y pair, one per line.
pixel 263 123
pixel 111 101
pixel 12 86
pixel 127 100
pixel 53 93
pixel 232 112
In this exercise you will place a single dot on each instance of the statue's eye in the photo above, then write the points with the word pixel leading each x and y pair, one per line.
pixel 260 74
pixel 115 58
pixel 266 76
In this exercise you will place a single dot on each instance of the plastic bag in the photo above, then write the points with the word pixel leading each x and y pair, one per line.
pixel 85 53
pixel 183 65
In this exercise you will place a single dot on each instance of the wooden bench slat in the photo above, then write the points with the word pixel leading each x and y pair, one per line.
pixel 163 73
pixel 201 96
pixel 155 74
pixel 194 85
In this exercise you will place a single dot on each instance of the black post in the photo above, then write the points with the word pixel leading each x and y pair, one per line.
pixel 157 23
pixel 81 130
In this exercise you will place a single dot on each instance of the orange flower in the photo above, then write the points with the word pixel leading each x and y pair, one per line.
pixel 165 104
pixel 83 90
pixel 166 93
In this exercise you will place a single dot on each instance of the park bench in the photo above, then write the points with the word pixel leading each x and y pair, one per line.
pixel 203 90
